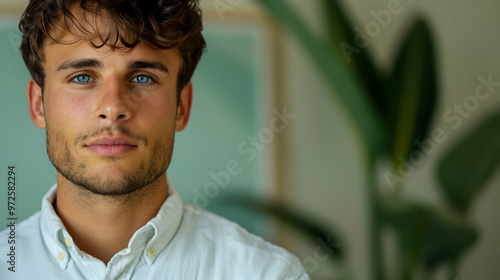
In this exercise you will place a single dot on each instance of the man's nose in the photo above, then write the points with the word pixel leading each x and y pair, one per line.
pixel 112 102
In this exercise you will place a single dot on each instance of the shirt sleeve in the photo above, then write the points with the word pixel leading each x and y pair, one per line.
pixel 301 275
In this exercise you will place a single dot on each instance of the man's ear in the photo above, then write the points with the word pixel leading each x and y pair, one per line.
pixel 35 103
pixel 184 107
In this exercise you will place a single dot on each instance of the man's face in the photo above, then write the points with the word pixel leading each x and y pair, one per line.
pixel 110 114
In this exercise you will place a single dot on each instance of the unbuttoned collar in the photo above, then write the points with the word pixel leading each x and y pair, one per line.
pixel 155 234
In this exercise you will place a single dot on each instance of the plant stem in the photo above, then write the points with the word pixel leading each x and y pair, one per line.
pixel 453 269
pixel 376 256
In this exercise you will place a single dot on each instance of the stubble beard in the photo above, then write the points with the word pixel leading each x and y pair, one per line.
pixel 98 183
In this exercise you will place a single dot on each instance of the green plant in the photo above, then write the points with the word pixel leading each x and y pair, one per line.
pixel 392 112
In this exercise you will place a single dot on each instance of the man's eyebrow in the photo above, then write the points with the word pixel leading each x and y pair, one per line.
pixel 142 64
pixel 80 63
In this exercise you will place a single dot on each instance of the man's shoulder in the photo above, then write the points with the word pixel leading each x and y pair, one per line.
pixel 218 228
pixel 227 240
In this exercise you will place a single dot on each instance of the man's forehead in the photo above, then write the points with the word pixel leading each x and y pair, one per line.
pixel 57 53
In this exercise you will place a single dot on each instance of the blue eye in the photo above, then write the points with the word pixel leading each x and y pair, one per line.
pixel 142 79
pixel 83 79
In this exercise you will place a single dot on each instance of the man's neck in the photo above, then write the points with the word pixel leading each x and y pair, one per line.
pixel 101 225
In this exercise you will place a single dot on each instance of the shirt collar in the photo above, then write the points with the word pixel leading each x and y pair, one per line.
pixel 158 232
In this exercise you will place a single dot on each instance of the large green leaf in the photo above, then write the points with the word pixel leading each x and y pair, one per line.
pixel 415 92
pixel 338 76
pixel 346 40
pixel 447 238
pixel 465 168
pixel 427 236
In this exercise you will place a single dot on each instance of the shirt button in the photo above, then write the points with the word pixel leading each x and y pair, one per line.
pixel 151 252
pixel 68 242
pixel 60 256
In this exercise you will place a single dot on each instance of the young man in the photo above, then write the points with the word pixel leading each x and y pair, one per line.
pixel 111 85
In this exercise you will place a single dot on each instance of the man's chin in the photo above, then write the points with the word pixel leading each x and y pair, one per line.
pixel 115 181
pixel 109 187
pixel 111 172
pixel 106 181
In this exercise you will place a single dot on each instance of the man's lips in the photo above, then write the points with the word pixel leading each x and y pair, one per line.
pixel 110 146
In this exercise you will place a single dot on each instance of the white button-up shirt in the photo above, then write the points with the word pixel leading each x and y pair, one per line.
pixel 181 242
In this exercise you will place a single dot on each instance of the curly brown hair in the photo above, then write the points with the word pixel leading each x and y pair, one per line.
pixel 162 24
